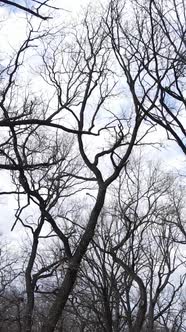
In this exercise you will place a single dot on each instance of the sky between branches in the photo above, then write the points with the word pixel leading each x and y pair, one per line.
pixel 13 25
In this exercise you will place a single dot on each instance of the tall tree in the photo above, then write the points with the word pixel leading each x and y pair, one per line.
pixel 82 91
pixel 150 50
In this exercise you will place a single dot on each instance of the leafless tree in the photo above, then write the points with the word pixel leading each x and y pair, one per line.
pixel 10 300
pixel 56 148
pixel 133 258
pixel 150 50
pixel 83 86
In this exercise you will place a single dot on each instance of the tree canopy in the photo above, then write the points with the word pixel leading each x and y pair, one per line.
pixel 85 105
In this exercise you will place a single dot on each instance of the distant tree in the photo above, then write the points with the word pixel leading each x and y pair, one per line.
pixel 11 300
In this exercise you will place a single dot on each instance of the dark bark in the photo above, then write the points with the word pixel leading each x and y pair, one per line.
pixel 74 264
pixel 30 283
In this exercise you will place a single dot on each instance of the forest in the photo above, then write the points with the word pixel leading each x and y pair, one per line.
pixel 92 162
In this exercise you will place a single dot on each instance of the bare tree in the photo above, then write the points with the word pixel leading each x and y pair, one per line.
pixel 133 258
pixel 83 86
pixel 57 147
pixel 150 50
pixel 89 77
pixel 10 300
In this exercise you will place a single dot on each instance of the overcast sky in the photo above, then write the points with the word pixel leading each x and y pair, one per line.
pixel 12 31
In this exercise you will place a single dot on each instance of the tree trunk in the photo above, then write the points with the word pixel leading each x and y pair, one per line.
pixel 29 312
pixel 71 274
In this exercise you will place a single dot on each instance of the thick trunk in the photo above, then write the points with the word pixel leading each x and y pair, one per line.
pixel 71 274
pixel 150 319
pixel 30 284
pixel 108 318
pixel 108 322
pixel 117 302
pixel 30 291
pixel 61 299
pixel 107 311
pixel 29 311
